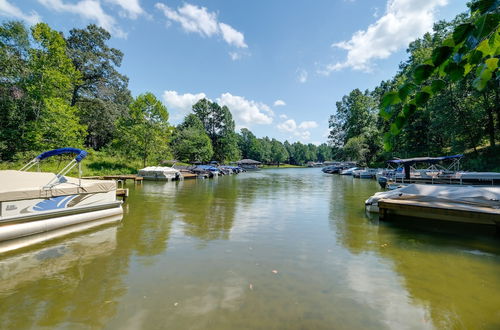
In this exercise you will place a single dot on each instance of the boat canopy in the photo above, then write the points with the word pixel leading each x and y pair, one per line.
pixel 19 185
pixel 80 154
pixel 429 160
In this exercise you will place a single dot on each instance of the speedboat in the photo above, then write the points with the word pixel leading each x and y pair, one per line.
pixel 32 203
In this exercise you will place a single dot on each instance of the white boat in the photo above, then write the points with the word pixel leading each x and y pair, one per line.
pixel 452 194
pixel 367 173
pixel 36 202
pixel 160 173
pixel 349 171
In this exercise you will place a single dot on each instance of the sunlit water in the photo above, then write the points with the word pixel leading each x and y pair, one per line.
pixel 274 249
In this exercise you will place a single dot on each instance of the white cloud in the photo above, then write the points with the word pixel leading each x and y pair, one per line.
pixel 283 116
pixel 403 21
pixel 199 20
pixel 181 103
pixel 302 75
pixel 287 126
pixel 279 103
pixel 9 10
pixel 232 37
pixel 301 131
pixel 308 124
pixel 89 9
pixel 246 112
pixel 235 56
pixel 132 8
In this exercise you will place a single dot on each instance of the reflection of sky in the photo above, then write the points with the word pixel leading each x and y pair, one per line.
pixel 374 283
pixel 371 280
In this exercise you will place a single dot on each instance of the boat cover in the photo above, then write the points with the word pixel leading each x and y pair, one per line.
pixel 474 196
pixel 159 172
pixel 19 185
pixel 429 160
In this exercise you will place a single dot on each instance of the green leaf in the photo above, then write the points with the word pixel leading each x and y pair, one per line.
pixel 388 142
pixel 467 69
pixel 422 72
pixel 494 40
pixel 461 32
pixel 449 42
pixel 441 54
pixel 405 90
pixel 454 71
pixel 484 5
pixel 437 85
pixel 492 63
pixel 485 25
pixel 481 81
pixel 385 112
pixel 389 99
pixel 484 48
pixel 409 109
pixel 421 98
pixel 476 57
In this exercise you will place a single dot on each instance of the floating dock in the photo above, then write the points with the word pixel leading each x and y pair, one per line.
pixel 467 213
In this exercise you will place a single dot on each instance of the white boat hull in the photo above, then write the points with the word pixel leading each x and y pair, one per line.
pixel 24 218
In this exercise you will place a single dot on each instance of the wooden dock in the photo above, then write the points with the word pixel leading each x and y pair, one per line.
pixel 466 213
pixel 122 178
pixel 123 193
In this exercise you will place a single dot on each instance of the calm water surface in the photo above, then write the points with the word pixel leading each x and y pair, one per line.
pixel 274 249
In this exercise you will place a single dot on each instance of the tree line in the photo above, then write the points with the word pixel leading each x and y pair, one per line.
pixel 58 91
pixel 444 99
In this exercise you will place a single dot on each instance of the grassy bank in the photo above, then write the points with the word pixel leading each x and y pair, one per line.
pixel 95 163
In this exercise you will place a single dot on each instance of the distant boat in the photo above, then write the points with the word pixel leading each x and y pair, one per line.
pixel 349 171
pixel 249 164
pixel 160 173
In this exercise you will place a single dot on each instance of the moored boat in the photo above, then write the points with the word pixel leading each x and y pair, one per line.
pixel 160 173
pixel 348 171
pixel 37 202
pixel 479 205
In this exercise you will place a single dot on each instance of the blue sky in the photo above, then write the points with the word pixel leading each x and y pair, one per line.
pixel 279 65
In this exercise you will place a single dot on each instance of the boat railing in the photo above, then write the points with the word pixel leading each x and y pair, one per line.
pixel 80 155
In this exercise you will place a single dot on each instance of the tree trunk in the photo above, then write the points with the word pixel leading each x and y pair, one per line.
pixel 74 96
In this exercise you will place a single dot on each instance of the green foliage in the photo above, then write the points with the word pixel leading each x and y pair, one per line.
pixel 191 143
pixel 471 47
pixel 219 126
pixel 102 94
pixel 144 133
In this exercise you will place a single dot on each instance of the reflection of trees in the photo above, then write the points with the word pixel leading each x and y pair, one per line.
pixel 207 207
pixel 76 281
pixel 71 278
pixel 452 276
pixel 347 212
pixel 435 269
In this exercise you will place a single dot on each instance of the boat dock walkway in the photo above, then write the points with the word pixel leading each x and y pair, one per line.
pixel 467 213
pixel 122 178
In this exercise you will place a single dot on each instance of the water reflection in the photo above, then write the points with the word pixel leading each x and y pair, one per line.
pixel 206 207
pixel 39 286
pixel 434 278
pixel 201 254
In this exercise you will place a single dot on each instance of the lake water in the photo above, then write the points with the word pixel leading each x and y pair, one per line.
pixel 273 249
